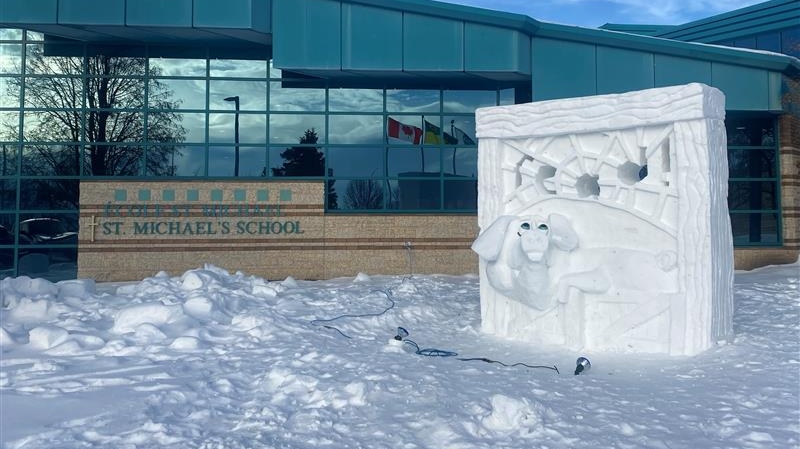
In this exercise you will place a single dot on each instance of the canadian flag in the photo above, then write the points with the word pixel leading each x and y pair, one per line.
pixel 404 132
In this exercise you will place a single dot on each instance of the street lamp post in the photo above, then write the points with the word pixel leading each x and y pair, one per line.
pixel 235 101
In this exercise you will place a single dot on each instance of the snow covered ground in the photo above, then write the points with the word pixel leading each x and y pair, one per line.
pixel 210 359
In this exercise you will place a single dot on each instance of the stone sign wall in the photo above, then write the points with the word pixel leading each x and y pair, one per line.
pixel 133 229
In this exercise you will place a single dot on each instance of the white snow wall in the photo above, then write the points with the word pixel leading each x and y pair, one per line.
pixel 641 181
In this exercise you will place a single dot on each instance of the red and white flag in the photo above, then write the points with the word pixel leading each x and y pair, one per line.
pixel 404 132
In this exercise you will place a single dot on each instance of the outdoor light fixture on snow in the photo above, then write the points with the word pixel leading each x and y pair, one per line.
pixel 582 365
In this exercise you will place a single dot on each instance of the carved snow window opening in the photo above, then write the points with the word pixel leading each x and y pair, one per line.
pixel 628 168
pixel 604 222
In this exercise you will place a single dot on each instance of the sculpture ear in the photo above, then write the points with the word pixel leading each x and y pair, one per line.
pixel 561 232
pixel 490 242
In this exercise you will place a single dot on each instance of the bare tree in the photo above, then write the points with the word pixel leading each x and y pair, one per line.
pixel 111 125
pixel 364 194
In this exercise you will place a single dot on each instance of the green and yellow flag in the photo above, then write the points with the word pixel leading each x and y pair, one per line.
pixel 432 133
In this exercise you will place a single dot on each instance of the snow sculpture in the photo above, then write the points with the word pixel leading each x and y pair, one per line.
pixel 604 221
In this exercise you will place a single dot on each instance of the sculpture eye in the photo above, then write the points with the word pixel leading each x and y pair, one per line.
pixel 526 226
pixel 543 227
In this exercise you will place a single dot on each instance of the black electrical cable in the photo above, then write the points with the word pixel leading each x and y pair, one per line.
pixel 318 322
pixel 402 333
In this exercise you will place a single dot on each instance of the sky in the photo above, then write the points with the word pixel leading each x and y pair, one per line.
pixel 593 13
pixel 211 359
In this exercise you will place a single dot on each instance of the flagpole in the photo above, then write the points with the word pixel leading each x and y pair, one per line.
pixel 422 149
pixel 455 148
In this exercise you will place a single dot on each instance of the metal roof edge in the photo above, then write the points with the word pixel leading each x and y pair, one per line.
pixel 707 24
pixel 744 57
pixel 453 11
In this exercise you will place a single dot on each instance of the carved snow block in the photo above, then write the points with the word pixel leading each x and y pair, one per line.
pixel 604 221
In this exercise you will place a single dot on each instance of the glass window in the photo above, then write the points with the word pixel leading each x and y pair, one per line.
pixel 274 72
pixel 296 128
pixel 415 194
pixel 55 194
pixel 9 92
pixel 297 161
pixel 117 93
pixel 252 128
pixel 405 129
pixel 9 126
pixel 102 159
pixel 8 159
pixel 52 126
pixel 6 262
pixel 10 34
pixel 296 97
pixel 34 36
pixel 252 95
pixel 790 42
pixel 176 94
pixel 459 130
pixel 222 161
pixel 358 194
pixel 355 129
pixel 53 264
pixel 468 100
pixel 752 195
pixel 769 42
pixel 752 163
pixel 411 161
pixel 461 194
pixel 355 100
pixel 48 229
pixel 746 42
pixel 171 160
pixel 51 160
pixel 8 194
pixel 177 67
pixel 414 101
pixel 750 229
pixel 238 68
pixel 460 162
pixel 116 126
pixel 507 97
pixel 355 162
pixel 10 58
pixel 54 92
pixel 179 127
pixel 750 131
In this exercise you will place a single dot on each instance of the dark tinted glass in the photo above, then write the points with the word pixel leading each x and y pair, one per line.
pixel 752 195
pixel 750 131
pixel 357 194
pixel 38 194
pixel 749 229
pixel 355 162
pixel 415 193
pixel 751 163
pixel 51 160
pixel 461 195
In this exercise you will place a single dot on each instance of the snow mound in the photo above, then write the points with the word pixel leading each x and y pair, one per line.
pixel 513 416
pixel 46 337
pixel 362 277
pixel 130 318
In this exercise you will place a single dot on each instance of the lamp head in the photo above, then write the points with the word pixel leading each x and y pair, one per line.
pixel 236 98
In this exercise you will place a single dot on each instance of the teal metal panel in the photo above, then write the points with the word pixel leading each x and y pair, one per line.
pixel 307 34
pixel 493 49
pixel 432 43
pixel 249 14
pixel 775 91
pixel 28 11
pixel 620 70
pixel 745 88
pixel 91 12
pixel 563 69
pixel 372 38
pixel 673 71
pixel 159 13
